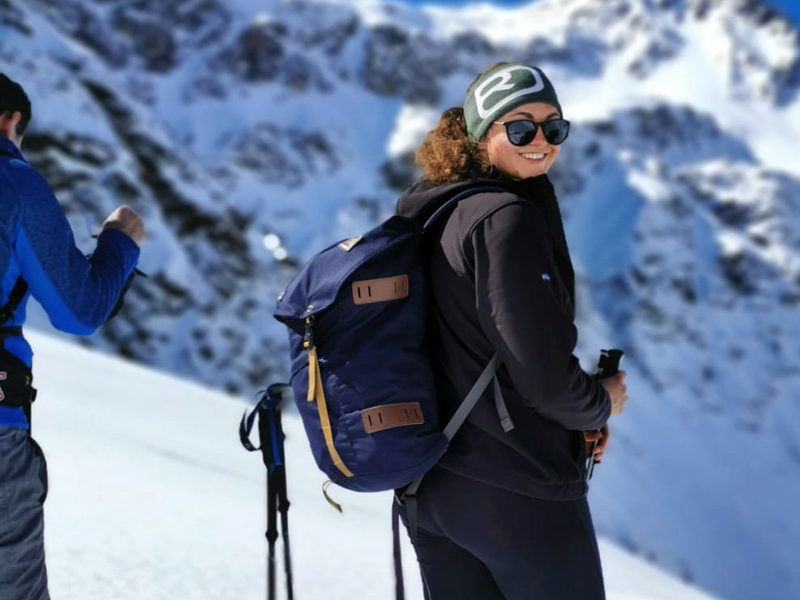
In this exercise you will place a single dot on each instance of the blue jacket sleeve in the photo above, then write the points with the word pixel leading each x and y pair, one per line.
pixel 77 293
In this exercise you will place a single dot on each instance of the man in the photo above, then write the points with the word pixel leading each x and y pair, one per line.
pixel 38 257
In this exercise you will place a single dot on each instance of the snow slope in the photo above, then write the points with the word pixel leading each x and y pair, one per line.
pixel 153 498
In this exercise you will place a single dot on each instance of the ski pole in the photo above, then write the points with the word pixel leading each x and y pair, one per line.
pixel 609 366
pixel 283 508
pixel 271 436
pixel 272 535
pixel 277 394
pixel 272 448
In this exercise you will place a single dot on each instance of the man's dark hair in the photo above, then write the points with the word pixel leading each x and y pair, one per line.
pixel 13 99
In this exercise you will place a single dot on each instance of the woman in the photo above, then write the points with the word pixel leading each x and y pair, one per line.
pixel 504 514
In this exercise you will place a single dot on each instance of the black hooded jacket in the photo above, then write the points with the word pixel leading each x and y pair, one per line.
pixel 502 281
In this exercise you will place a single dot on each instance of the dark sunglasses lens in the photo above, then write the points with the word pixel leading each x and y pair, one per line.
pixel 521 133
pixel 556 131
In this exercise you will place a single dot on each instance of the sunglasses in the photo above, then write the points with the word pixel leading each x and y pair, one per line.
pixel 522 132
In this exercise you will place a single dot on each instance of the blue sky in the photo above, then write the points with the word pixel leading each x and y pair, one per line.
pixel 790 8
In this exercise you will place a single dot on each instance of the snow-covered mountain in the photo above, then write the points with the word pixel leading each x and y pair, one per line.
pixel 153 498
pixel 251 134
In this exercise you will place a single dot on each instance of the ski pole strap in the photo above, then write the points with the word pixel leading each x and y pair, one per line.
pixel 270 431
pixel 246 427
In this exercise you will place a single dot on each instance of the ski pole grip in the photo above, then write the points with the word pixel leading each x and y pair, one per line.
pixel 277 393
pixel 609 362
pixel 609 366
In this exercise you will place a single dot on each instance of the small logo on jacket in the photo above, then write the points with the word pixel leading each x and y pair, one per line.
pixel 545 277
pixel 3 376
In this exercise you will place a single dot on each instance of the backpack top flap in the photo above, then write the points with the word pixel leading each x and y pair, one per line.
pixel 318 283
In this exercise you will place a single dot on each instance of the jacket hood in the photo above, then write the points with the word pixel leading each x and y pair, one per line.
pixel 424 197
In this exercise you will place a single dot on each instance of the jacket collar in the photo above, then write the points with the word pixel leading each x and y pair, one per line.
pixel 422 199
pixel 8 147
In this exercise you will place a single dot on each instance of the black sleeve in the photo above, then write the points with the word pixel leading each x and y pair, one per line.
pixel 521 307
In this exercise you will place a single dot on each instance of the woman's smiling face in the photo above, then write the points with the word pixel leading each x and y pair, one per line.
pixel 521 162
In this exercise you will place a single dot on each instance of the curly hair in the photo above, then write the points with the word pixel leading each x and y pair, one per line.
pixel 448 153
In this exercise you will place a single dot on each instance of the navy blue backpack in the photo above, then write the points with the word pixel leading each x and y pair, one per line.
pixel 360 372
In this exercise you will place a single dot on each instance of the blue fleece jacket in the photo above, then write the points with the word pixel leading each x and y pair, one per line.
pixel 36 242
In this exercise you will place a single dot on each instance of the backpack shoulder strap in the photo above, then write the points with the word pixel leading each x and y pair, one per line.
pixel 14 298
pixel 466 406
pixel 448 206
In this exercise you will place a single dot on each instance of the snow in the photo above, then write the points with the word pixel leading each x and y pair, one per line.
pixel 152 498
pixel 411 125
pixel 501 25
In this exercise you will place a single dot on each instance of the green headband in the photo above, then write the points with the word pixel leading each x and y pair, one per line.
pixel 502 89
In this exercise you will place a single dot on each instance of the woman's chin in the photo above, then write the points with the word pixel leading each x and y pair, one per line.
pixel 531 171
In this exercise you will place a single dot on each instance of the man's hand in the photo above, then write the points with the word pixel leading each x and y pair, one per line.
pixel 617 390
pixel 128 222
pixel 601 437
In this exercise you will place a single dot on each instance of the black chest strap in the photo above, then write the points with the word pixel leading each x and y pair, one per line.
pixel 14 298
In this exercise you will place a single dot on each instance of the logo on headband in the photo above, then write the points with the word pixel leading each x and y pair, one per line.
pixel 502 82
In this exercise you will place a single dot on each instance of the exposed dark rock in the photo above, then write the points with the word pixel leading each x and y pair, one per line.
pixel 231 257
pixel 260 151
pixel 85 26
pixel 741 272
pixel 11 16
pixel 82 148
pixel 300 74
pixel 318 154
pixel 473 43
pixel 398 63
pixel 152 40
pixel 659 50
pixel 195 23
pixel 257 53
pixel 319 25
pixel 758 11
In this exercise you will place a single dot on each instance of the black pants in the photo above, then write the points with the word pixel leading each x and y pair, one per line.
pixel 479 542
